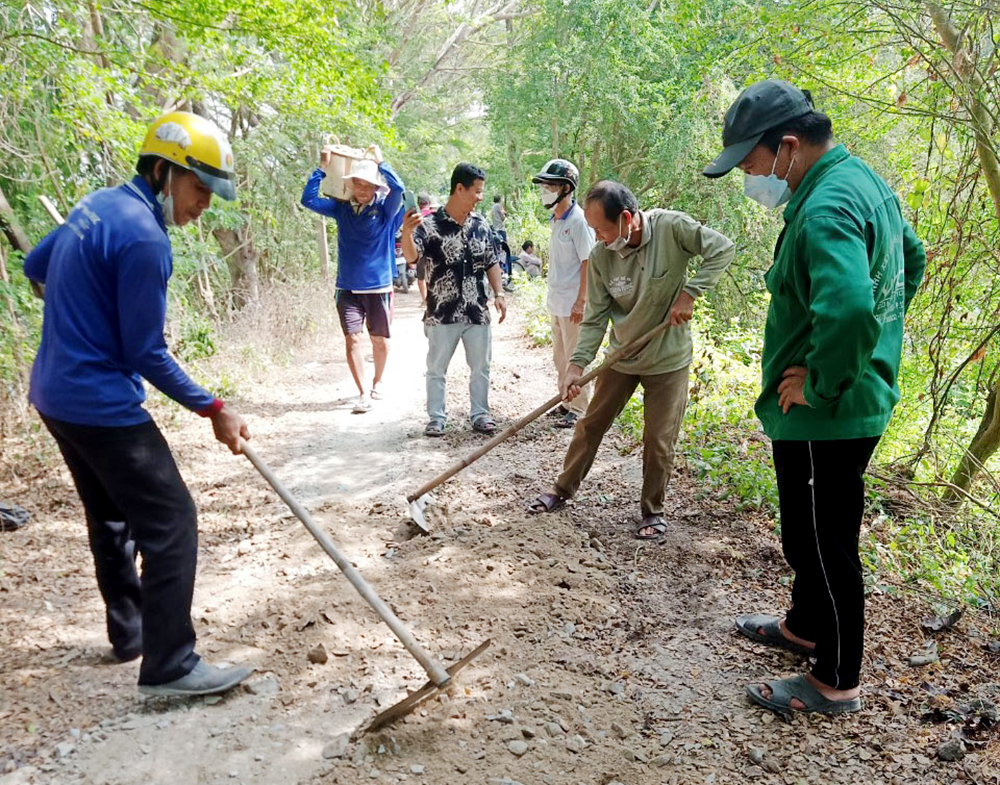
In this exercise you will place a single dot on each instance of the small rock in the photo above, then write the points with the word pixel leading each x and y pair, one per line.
pixel 212 700
pixel 374 774
pixel 265 686
pixel 145 749
pixel 163 724
pixel 771 765
pixel 416 768
pixel 951 750
pixel 505 716
pixel 528 733
pixel 666 738
pixel 64 748
pixel 318 655
pixel 233 774
pixel 258 757
pixel 553 729
pixel 350 695
pixel 21 776
pixel 75 733
pixel 563 696
pixel 756 755
pixel 926 657
pixel 661 760
pixel 619 731
pixel 576 744
pixel 518 747
pixel 524 679
pixel 616 688
pixel 337 748
pixel 243 548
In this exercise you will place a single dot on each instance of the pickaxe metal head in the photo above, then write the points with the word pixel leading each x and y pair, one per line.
pixel 417 507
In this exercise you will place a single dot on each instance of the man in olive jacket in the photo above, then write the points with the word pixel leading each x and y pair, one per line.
pixel 637 278
pixel 845 269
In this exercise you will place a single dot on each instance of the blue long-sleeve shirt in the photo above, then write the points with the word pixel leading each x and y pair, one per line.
pixel 366 257
pixel 105 273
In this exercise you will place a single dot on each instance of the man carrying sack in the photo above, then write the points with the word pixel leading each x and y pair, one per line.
pixel 366 260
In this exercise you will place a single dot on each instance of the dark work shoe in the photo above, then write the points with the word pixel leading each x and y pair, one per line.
pixel 204 679
pixel 559 411
pixel 126 655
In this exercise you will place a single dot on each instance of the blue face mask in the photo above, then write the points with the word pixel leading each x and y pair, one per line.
pixel 768 190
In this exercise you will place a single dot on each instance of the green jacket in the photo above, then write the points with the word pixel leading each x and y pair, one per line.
pixel 845 269
pixel 635 291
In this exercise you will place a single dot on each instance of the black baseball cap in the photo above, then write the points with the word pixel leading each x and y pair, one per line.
pixel 758 109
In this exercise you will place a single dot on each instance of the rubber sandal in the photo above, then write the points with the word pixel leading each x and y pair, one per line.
pixel 762 628
pixel 434 428
pixel 815 702
pixel 546 503
pixel 568 420
pixel 376 393
pixel 362 405
pixel 654 522
pixel 485 425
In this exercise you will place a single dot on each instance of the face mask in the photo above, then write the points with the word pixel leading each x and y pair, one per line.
pixel 620 242
pixel 550 196
pixel 167 202
pixel 770 191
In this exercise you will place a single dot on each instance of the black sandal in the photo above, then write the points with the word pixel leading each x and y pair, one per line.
pixel 484 424
pixel 568 420
pixel 654 522
pixel 546 503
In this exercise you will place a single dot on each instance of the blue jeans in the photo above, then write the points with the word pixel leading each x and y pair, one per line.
pixel 442 340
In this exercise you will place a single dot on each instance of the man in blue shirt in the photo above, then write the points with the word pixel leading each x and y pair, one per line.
pixel 366 259
pixel 105 274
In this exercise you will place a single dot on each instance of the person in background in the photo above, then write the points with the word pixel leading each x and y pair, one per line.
pixel 366 261
pixel 105 273
pixel 846 267
pixel 532 264
pixel 425 207
pixel 461 255
pixel 498 216
pixel 569 247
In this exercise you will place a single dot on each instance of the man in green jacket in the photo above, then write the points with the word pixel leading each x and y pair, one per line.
pixel 845 269
pixel 637 278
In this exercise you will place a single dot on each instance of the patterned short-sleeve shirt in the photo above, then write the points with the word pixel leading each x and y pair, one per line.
pixel 456 258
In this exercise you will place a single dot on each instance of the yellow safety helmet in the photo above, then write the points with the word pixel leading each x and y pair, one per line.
pixel 194 143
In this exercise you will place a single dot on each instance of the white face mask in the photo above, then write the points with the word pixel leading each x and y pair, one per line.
pixel 167 202
pixel 620 242
pixel 768 190
pixel 551 195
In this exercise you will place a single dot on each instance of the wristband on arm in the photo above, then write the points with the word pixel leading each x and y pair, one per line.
pixel 212 409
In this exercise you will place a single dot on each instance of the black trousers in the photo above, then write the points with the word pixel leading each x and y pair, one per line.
pixel 821 492
pixel 136 502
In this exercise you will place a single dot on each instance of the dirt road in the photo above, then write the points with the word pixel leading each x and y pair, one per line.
pixel 612 661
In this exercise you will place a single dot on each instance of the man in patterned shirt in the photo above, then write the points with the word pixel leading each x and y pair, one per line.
pixel 459 254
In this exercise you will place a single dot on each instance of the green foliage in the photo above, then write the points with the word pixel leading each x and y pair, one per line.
pixel 721 440
pixel 531 301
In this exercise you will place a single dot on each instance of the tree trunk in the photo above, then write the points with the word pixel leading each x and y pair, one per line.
pixel 10 227
pixel 324 248
pixel 241 258
pixel 983 445
pixel 987 438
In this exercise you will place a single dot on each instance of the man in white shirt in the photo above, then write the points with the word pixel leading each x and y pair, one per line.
pixel 569 248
